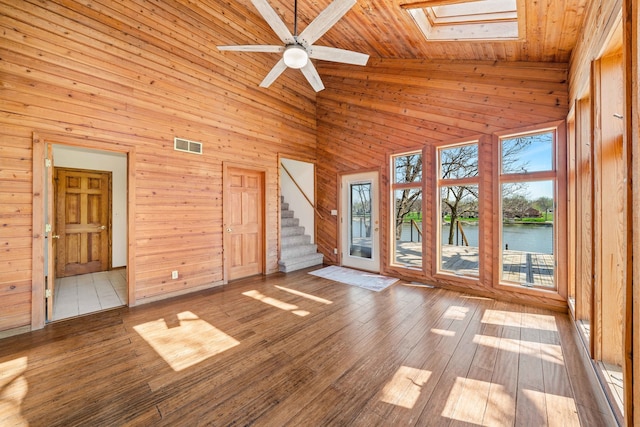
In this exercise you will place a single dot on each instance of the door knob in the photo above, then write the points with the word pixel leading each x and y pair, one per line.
pixel 103 227
pixel 229 230
pixel 55 236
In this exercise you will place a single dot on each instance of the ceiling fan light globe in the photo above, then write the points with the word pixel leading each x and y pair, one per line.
pixel 295 56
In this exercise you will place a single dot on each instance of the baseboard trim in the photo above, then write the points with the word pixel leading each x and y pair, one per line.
pixel 15 331
pixel 161 297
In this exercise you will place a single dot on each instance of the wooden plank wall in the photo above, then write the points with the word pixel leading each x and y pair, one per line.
pixel 366 113
pixel 599 88
pixel 600 18
pixel 583 251
pixel 136 74
pixel 632 303
pixel 610 207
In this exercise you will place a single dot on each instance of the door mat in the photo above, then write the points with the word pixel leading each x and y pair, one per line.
pixel 362 279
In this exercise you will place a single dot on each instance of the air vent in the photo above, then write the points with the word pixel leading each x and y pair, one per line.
pixel 180 144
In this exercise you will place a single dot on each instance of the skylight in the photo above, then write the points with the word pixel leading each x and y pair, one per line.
pixel 468 20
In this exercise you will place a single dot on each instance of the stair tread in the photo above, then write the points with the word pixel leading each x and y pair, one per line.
pixel 301 262
pixel 296 250
pixel 293 251
pixel 301 257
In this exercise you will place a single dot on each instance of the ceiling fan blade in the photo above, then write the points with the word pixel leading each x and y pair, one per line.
pixel 326 53
pixel 274 73
pixel 325 20
pixel 253 48
pixel 274 20
pixel 312 76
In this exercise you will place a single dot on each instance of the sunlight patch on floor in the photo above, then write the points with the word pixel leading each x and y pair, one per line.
pixel 477 298
pixel 557 407
pixel 304 295
pixel 13 390
pixel 543 322
pixel 276 303
pixel 501 406
pixel 443 332
pixel 184 341
pixel 456 313
pixel 465 397
pixel 405 387
pixel 547 352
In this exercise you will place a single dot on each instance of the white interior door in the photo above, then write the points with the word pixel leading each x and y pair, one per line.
pixel 360 221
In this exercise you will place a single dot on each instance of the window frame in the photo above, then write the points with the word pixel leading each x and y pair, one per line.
pixel 456 182
pixel 557 175
pixel 395 186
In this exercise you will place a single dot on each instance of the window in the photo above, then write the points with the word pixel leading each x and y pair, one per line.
pixel 528 202
pixel 469 20
pixel 458 187
pixel 407 209
pixel 360 220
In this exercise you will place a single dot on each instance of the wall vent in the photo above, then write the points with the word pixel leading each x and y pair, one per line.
pixel 181 144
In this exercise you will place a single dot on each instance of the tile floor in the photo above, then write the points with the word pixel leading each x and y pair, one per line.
pixel 77 295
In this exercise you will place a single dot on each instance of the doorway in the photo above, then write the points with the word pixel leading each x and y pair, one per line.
pixel 87 248
pixel 243 222
pixel 360 221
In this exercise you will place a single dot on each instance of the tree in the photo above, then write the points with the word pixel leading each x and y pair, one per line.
pixel 361 206
pixel 408 169
pixel 543 204
pixel 462 162
pixel 515 206
pixel 458 200
pixel 456 163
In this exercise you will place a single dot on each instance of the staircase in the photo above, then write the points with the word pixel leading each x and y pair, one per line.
pixel 297 251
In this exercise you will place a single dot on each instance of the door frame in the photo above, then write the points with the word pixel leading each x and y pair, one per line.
pixel 41 144
pixel 376 204
pixel 225 171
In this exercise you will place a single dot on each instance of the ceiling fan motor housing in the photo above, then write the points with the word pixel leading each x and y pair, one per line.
pixel 295 56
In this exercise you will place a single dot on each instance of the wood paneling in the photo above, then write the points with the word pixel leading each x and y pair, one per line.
pixel 599 20
pixel 632 136
pixel 584 207
pixel 136 74
pixel 610 210
pixel 396 105
pixel 602 87
pixel 309 352
pixel 384 29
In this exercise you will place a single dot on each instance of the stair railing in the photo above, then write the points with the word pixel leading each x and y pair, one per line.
pixel 302 192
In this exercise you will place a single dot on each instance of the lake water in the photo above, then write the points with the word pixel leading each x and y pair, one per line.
pixel 519 237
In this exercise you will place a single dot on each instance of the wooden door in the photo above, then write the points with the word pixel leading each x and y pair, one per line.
pixel 360 221
pixel 243 223
pixel 82 221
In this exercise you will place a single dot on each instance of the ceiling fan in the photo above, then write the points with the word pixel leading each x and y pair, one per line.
pixel 299 49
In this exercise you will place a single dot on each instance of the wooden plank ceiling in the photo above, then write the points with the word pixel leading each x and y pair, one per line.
pixel 384 29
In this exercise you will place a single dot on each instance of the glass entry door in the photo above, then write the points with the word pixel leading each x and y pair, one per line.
pixel 360 221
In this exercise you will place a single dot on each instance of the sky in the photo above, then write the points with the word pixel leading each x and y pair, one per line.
pixel 538 156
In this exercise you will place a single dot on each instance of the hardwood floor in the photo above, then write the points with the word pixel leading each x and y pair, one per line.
pixel 300 350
